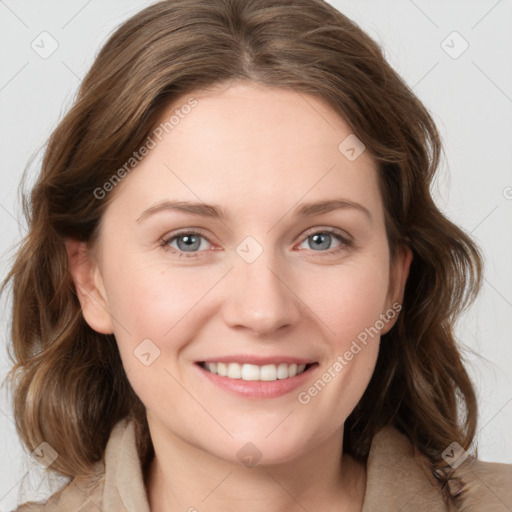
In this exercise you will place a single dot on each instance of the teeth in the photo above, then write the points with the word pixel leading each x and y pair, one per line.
pixel 267 372
pixel 222 369
pixel 249 371
pixel 282 371
pixel 234 371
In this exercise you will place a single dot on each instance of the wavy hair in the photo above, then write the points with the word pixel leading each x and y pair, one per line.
pixel 68 381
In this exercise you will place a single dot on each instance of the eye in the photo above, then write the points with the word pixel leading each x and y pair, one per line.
pixel 189 243
pixel 186 242
pixel 325 240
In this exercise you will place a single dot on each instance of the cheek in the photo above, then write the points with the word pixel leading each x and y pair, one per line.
pixel 155 310
pixel 348 299
pixel 150 300
pixel 349 306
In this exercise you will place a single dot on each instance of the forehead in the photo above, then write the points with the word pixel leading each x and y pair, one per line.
pixel 253 122
pixel 246 143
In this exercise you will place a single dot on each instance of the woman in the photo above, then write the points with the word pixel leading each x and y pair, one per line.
pixel 236 290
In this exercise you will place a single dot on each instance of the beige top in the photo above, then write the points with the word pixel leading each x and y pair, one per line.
pixel 397 480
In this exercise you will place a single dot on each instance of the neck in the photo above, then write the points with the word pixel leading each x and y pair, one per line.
pixel 185 477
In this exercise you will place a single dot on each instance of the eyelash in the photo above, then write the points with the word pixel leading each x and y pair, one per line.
pixel 344 241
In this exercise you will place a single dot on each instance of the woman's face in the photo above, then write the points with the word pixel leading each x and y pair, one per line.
pixel 249 240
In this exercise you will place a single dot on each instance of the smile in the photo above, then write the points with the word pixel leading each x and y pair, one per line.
pixel 253 372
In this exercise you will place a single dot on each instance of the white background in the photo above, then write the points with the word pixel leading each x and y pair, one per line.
pixel 470 98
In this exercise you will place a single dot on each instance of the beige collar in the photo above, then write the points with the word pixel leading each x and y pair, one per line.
pixel 396 479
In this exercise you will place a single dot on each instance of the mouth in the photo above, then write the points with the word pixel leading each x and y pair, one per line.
pixel 257 381
pixel 253 372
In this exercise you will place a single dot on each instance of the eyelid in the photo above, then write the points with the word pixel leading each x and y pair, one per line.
pixel 166 239
pixel 326 229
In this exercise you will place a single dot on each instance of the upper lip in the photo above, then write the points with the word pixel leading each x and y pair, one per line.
pixel 258 360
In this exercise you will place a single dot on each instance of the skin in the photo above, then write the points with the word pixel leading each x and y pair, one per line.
pixel 257 153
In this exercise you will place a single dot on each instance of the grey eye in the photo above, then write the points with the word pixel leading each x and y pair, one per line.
pixel 188 242
pixel 320 241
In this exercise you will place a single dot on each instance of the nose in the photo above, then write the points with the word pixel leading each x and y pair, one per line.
pixel 260 298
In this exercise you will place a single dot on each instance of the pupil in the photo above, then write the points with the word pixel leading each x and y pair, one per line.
pixel 187 242
pixel 322 241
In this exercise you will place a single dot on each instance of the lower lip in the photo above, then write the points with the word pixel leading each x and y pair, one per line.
pixel 257 388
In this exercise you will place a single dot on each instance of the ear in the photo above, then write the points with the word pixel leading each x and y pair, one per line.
pixel 397 280
pixel 89 286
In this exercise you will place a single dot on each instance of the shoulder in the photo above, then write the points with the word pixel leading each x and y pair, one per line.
pixel 113 482
pixel 80 495
pixel 478 485
pixel 398 478
pixel 398 473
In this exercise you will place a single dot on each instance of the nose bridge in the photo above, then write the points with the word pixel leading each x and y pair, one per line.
pixel 257 297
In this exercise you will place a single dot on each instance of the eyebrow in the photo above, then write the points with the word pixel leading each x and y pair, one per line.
pixel 206 210
pixel 321 207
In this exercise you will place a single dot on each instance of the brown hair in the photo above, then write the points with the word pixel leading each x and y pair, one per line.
pixel 70 387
